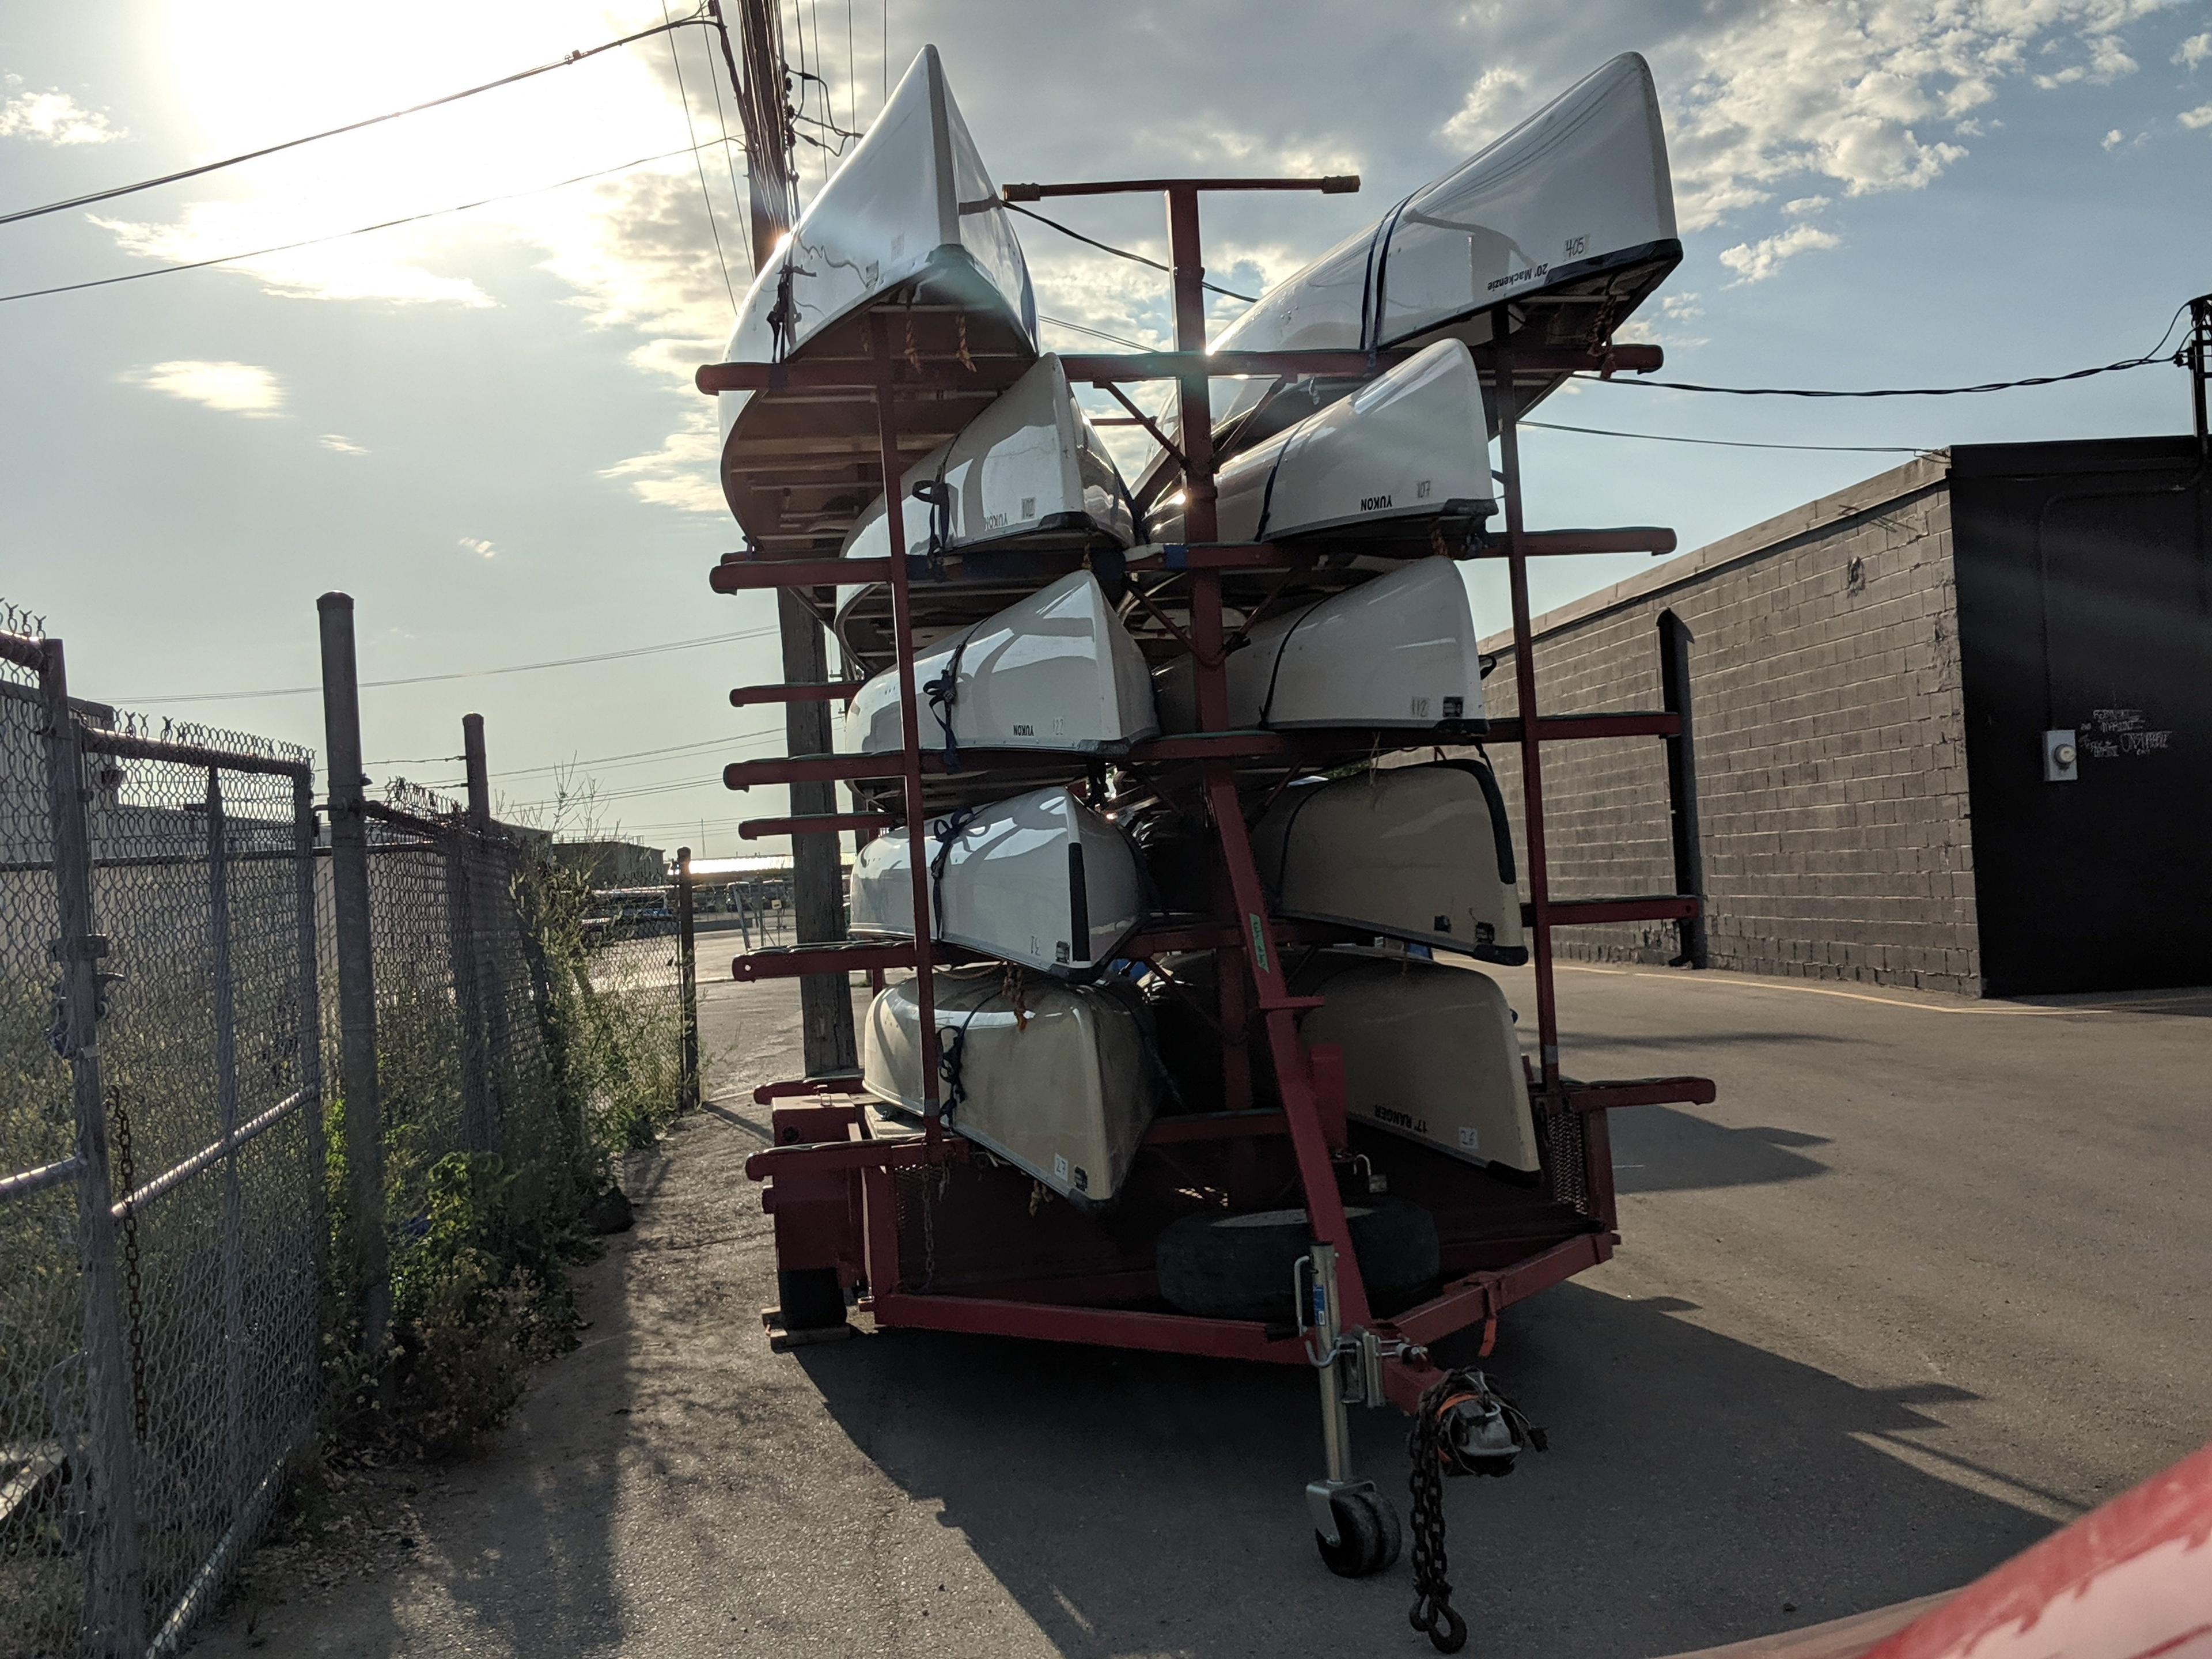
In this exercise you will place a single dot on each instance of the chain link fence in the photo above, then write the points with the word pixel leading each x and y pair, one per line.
pixel 170 1269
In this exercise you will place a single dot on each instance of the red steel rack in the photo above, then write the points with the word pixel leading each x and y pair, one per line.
pixel 846 1200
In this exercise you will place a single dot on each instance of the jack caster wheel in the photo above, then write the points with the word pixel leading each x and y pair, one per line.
pixel 1368 1532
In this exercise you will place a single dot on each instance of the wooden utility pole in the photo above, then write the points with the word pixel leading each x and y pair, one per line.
pixel 763 89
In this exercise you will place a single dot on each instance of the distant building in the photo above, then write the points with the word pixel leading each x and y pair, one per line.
pixel 613 863
pixel 1884 686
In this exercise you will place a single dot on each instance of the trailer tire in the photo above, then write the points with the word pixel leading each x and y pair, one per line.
pixel 811 1298
pixel 1239 1267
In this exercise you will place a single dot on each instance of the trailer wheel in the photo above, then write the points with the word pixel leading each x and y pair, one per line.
pixel 813 1299
pixel 1239 1267
pixel 1368 1533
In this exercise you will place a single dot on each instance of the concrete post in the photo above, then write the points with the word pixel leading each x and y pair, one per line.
pixel 370 1268
pixel 233 1268
pixel 115 1611
pixel 687 981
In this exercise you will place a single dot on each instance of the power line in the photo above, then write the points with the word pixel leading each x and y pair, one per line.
pixel 1121 252
pixel 633 757
pixel 1112 339
pixel 705 194
pixel 340 235
pixel 1734 443
pixel 572 58
pixel 459 674
pixel 1889 392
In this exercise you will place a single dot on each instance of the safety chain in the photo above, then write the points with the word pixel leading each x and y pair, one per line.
pixel 130 1284
pixel 1433 1613
pixel 1435 1453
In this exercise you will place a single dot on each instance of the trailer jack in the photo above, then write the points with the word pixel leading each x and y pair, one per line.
pixel 1355 1527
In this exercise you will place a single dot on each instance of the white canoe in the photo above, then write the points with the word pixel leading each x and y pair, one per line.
pixel 1398 651
pixel 910 220
pixel 1570 216
pixel 1429 1053
pixel 1056 672
pixel 1053 1079
pixel 1418 852
pixel 1040 880
pixel 1023 486
pixel 1407 452
pixel 1028 470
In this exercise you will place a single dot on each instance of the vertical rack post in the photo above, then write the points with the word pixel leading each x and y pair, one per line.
pixel 1524 698
pixel 917 825
pixel 115 1611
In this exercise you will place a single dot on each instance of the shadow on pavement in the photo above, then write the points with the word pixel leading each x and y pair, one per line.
pixel 1660 1148
pixel 1696 1484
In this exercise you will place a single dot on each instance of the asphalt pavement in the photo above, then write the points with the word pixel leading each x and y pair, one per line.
pixel 1929 1279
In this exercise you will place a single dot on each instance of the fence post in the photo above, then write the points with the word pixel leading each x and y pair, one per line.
pixel 1682 786
pixel 311 1013
pixel 226 1096
pixel 687 983
pixel 468 1004
pixel 115 1611
pixel 357 956
pixel 486 906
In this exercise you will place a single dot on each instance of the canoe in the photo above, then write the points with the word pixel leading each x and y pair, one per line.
pixel 1404 458
pixel 1040 880
pixel 1056 672
pixel 1398 651
pixel 1417 853
pixel 909 224
pixel 1570 217
pixel 1051 1077
pixel 1429 1053
pixel 1027 476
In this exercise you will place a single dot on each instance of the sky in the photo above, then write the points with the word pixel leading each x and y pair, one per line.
pixel 481 424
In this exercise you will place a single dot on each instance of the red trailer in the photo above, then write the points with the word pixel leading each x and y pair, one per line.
pixel 922 1234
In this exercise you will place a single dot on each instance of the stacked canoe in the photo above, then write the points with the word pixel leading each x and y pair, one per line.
pixel 1048 664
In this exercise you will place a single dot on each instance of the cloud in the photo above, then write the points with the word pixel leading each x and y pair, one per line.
pixel 338 444
pixel 230 388
pixel 382 266
pixel 1857 91
pixel 681 472
pixel 2194 51
pixel 2114 139
pixel 2199 117
pixel 49 118
pixel 1804 205
pixel 1754 262
pixel 1477 122
pixel 479 546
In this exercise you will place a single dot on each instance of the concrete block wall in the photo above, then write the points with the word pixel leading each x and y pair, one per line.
pixel 1826 706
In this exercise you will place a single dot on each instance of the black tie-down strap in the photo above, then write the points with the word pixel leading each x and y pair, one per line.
pixel 948 831
pixel 1439 1445
pixel 943 695
pixel 937 495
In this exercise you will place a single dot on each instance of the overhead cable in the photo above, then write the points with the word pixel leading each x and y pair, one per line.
pixel 1121 252
pixel 459 674
pixel 1734 443
pixel 572 58
pixel 706 195
pixel 1886 391
pixel 340 235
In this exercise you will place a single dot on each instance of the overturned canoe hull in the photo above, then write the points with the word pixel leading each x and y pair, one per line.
pixel 1040 880
pixel 1057 671
pixel 1406 458
pixel 1430 1053
pixel 1027 477
pixel 1400 652
pixel 1422 853
pixel 1570 218
pixel 1051 1077
pixel 898 224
